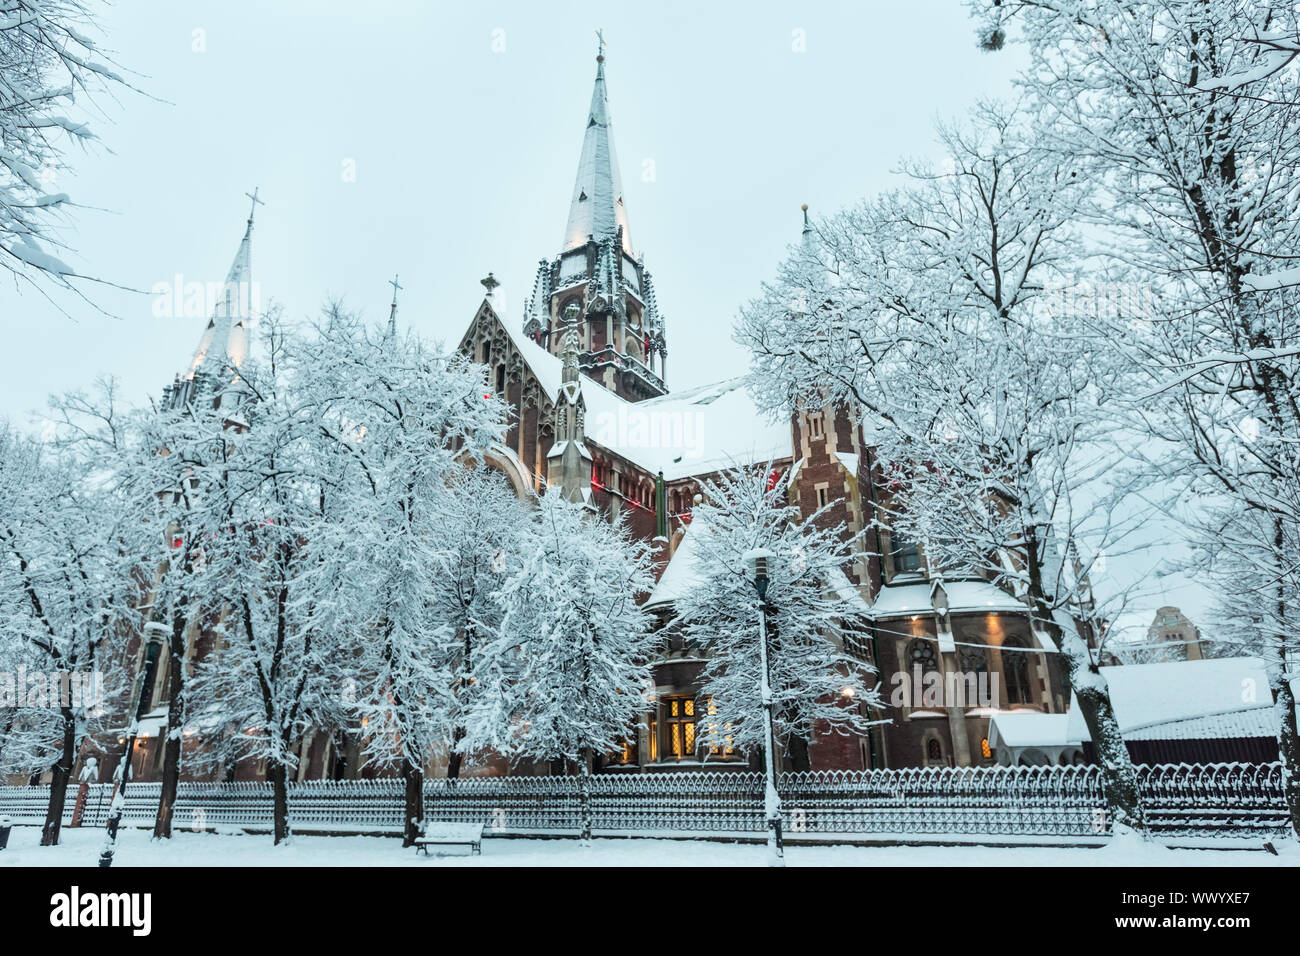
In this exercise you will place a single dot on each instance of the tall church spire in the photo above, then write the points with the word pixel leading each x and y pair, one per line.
pixel 225 339
pixel 595 292
pixel 597 207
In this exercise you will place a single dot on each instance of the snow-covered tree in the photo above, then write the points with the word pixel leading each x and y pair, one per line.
pixel 478 522
pixel 162 463
pixel 565 673
pixel 814 619
pixel 1189 120
pixel 399 425
pixel 65 608
pixel 50 69
pixel 272 568
pixel 926 310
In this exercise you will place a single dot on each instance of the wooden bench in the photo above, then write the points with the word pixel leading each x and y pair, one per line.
pixel 450 834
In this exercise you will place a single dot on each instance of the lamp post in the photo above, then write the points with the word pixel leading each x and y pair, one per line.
pixel 153 648
pixel 757 562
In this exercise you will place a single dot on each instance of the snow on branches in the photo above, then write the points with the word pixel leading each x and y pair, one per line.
pixel 815 619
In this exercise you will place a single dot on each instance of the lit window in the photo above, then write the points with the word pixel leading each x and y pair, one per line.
pixel 626 753
pixel 679 728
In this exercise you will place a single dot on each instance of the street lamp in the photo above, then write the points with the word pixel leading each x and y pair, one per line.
pixel 756 560
pixel 153 648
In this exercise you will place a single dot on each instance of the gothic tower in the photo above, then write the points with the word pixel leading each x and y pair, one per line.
pixel 223 347
pixel 596 282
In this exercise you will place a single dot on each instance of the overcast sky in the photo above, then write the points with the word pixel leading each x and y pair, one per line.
pixel 463 125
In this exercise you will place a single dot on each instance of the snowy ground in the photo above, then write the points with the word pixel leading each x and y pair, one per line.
pixel 81 847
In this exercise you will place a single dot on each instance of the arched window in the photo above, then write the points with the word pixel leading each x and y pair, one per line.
pixel 934 753
pixel 974 660
pixel 922 653
pixel 1015 671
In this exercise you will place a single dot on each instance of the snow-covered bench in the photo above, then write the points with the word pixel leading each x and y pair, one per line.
pixel 450 834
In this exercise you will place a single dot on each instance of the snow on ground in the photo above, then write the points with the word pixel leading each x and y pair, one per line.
pixel 135 848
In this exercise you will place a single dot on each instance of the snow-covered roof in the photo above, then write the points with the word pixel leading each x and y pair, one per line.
pixel 1174 700
pixel 1022 728
pixel 1256 722
pixel 900 600
pixel 152 723
pixel 682 571
pixel 965 596
pixel 693 432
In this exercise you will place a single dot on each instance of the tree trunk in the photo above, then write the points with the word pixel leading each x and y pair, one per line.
pixel 584 794
pixel 162 827
pixel 455 758
pixel 413 777
pixel 280 786
pixel 1119 780
pixel 1119 783
pixel 1288 739
pixel 59 783
pixel 800 753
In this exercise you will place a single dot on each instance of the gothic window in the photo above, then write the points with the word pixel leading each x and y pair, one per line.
pixel 501 379
pixel 921 653
pixel 934 752
pixel 815 425
pixel 1015 671
pixel 974 660
pixel 906 553
pixel 679 727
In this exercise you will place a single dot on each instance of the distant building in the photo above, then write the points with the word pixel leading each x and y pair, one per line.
pixel 1175 630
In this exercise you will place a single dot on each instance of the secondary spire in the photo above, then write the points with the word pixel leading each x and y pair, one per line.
pixel 225 339
pixel 392 312
pixel 597 207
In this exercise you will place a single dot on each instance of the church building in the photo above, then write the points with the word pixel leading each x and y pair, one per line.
pixel 584 371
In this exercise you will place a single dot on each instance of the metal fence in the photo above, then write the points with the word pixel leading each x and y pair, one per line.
pixel 1234 800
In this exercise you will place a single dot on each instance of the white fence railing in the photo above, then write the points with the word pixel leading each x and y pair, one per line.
pixel 1180 800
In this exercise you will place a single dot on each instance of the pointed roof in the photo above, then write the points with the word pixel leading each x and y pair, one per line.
pixel 597 207
pixel 225 339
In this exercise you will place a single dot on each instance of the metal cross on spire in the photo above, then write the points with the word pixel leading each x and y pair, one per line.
pixel 600 44
pixel 392 312
pixel 256 202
